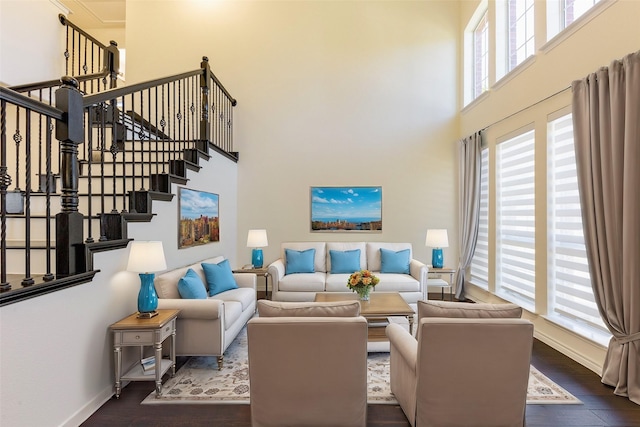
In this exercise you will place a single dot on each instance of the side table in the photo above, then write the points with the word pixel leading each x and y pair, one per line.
pixel 134 332
pixel 439 282
pixel 262 271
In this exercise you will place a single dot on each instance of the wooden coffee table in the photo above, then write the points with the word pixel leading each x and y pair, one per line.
pixel 377 310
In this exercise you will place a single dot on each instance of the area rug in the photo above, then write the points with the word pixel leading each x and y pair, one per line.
pixel 199 381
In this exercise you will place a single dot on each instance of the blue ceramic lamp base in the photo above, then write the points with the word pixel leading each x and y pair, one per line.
pixel 147 297
pixel 437 259
pixel 256 258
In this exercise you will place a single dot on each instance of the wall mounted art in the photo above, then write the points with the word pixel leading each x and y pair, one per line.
pixel 346 209
pixel 198 218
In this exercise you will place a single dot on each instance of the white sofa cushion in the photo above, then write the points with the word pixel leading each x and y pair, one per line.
pixel 347 246
pixel 303 282
pixel 232 312
pixel 392 282
pixel 245 296
pixel 337 283
pixel 319 261
pixel 373 252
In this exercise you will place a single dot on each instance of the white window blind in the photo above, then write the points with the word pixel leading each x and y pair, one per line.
pixel 515 220
pixel 480 261
pixel 570 293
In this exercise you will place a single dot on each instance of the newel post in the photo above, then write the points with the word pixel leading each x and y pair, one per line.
pixel 70 133
pixel 205 87
pixel 113 63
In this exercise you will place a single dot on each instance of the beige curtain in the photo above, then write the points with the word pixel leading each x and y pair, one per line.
pixel 469 167
pixel 606 119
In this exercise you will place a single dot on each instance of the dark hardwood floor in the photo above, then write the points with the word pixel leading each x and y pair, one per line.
pixel 601 407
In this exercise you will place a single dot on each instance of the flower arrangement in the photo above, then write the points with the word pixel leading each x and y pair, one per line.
pixel 361 282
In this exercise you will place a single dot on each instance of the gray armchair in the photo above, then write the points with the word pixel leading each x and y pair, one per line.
pixel 462 371
pixel 307 371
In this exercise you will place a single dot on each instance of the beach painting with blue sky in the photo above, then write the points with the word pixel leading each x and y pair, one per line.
pixel 346 209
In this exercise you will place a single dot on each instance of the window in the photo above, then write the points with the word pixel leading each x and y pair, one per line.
pixel 480 261
pixel 481 56
pixel 515 219
pixel 514 34
pixel 476 54
pixel 520 35
pixel 571 300
pixel 562 13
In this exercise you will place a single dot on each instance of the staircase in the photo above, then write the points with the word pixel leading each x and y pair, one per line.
pixel 90 158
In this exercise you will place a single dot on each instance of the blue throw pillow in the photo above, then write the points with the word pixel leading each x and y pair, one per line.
pixel 300 261
pixel 219 277
pixel 344 261
pixel 394 262
pixel 190 286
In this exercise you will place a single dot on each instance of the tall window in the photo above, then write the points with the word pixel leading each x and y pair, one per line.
pixel 570 293
pixel 480 261
pixel 481 56
pixel 476 54
pixel 515 219
pixel 520 31
pixel 562 13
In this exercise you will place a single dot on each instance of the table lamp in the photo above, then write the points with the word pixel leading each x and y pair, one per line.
pixel 145 258
pixel 257 239
pixel 437 239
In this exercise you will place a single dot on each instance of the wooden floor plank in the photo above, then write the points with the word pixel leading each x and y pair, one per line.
pixel 600 406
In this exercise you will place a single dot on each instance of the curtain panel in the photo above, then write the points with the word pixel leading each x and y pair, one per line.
pixel 470 162
pixel 606 118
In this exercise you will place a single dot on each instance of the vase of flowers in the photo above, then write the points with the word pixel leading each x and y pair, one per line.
pixel 362 282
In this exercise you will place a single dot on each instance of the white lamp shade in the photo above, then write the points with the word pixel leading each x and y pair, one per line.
pixel 146 257
pixel 257 239
pixel 437 238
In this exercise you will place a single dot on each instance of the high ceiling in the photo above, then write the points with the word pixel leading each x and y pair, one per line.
pixel 96 13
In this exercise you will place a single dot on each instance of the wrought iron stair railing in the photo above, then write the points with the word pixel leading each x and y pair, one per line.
pixel 117 151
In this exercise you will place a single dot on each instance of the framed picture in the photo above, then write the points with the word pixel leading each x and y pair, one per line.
pixel 198 218
pixel 348 209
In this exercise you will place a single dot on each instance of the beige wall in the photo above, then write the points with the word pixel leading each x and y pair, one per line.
pixel 329 93
pixel 56 354
pixel 32 36
pixel 539 90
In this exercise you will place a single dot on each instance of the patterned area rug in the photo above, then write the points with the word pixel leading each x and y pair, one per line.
pixel 199 381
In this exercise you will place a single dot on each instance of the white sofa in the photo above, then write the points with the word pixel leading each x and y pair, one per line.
pixel 303 286
pixel 206 327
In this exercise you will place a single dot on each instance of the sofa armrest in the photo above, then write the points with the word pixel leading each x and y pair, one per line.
pixel 276 271
pixel 246 280
pixel 407 346
pixel 418 271
pixel 403 379
pixel 194 308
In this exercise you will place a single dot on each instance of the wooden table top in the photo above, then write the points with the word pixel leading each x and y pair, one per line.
pixel 380 304
pixel 132 321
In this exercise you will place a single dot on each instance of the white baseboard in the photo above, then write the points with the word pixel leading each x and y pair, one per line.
pixel 87 410
pixel 588 362
pixel 587 353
